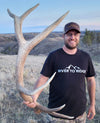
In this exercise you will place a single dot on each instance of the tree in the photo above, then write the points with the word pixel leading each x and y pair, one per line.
pixel 98 37
pixel 87 39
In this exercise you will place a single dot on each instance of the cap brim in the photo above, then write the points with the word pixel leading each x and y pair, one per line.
pixel 72 29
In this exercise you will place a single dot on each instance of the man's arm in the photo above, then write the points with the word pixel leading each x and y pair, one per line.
pixel 41 81
pixel 91 90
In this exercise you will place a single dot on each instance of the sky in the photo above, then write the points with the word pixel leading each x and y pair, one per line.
pixel 84 12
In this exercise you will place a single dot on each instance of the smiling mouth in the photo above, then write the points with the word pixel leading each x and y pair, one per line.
pixel 72 42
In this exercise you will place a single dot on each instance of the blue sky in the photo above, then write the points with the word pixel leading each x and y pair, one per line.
pixel 85 12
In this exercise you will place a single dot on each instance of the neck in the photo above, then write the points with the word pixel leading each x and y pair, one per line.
pixel 69 51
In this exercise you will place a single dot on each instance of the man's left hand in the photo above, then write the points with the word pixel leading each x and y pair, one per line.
pixel 91 112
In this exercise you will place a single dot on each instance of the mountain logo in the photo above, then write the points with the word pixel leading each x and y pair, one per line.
pixel 71 69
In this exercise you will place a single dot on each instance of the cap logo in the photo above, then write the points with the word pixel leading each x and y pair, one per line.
pixel 73 25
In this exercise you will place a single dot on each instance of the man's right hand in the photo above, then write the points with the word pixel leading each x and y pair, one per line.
pixel 30 105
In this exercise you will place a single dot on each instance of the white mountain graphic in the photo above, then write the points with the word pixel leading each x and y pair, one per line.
pixel 71 67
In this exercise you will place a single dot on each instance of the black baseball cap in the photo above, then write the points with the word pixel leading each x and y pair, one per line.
pixel 71 26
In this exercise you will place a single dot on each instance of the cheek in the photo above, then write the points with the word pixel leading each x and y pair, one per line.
pixel 65 38
pixel 78 39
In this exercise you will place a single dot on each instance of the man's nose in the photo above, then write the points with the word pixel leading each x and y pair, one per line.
pixel 72 36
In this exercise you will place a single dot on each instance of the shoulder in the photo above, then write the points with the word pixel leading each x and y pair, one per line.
pixel 55 52
pixel 52 55
pixel 83 53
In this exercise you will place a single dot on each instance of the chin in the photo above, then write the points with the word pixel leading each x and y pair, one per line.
pixel 70 47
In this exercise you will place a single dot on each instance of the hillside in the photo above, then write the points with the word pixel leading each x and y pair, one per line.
pixel 9 45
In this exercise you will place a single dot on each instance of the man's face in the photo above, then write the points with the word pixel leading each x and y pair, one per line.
pixel 71 39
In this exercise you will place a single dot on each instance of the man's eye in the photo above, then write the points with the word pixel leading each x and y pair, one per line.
pixel 69 34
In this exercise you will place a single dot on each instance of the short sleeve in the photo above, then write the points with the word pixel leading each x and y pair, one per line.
pixel 90 70
pixel 47 69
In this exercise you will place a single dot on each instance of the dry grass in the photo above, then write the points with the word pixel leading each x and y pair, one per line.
pixel 12 109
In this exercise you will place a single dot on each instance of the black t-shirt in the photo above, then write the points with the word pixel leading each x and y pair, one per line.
pixel 68 85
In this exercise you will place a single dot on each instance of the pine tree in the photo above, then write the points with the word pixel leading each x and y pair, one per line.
pixel 87 39
pixel 98 38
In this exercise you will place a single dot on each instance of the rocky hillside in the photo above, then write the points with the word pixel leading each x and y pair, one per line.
pixel 9 45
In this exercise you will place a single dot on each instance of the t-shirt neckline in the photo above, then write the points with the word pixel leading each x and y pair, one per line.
pixel 70 54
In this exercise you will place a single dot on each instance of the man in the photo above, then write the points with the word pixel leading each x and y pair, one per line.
pixel 72 66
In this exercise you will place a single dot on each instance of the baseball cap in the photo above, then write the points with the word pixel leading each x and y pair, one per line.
pixel 71 26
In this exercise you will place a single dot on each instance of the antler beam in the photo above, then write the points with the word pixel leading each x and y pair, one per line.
pixel 24 48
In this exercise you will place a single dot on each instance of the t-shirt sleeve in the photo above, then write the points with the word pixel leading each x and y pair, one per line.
pixel 47 69
pixel 90 70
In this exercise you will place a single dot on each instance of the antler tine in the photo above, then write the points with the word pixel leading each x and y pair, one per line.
pixel 47 110
pixel 28 12
pixel 30 93
pixel 10 13
pixel 37 39
pixel 18 24
pixel 61 115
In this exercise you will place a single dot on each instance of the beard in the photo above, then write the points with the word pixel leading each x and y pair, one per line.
pixel 70 47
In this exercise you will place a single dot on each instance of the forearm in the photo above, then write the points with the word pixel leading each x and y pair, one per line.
pixel 41 81
pixel 91 90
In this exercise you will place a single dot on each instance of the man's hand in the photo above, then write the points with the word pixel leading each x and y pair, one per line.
pixel 30 105
pixel 91 112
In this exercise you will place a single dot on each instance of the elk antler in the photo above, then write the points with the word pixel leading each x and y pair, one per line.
pixel 24 49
